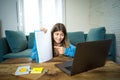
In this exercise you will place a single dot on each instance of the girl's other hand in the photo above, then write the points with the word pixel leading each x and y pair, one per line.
pixel 60 49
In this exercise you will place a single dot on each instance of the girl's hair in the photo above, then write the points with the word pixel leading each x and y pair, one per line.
pixel 60 27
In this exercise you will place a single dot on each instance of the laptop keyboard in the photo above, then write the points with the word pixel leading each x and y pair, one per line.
pixel 69 68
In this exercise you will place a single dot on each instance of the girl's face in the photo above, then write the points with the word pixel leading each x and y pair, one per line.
pixel 58 36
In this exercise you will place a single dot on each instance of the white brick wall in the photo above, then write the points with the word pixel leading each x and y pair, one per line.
pixel 107 13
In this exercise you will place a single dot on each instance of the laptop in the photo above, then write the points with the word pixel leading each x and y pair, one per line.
pixel 88 56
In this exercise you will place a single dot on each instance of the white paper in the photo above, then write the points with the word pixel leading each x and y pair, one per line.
pixel 18 72
pixel 44 45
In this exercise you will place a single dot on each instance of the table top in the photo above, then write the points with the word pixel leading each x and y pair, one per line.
pixel 111 71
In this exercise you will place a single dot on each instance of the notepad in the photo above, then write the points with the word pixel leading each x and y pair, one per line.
pixel 37 70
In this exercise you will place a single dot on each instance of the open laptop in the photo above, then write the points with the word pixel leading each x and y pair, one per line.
pixel 88 55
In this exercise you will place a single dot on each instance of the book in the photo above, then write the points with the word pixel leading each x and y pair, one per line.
pixel 37 70
pixel 22 70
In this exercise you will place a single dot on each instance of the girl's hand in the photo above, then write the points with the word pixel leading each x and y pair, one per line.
pixel 60 49
pixel 43 29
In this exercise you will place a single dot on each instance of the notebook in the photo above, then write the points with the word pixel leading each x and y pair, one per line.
pixel 43 45
pixel 88 56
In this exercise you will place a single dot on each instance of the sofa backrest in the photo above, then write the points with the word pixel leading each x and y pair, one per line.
pixel 31 40
pixel 75 38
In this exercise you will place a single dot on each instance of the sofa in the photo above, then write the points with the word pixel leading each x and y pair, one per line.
pixel 94 34
pixel 17 45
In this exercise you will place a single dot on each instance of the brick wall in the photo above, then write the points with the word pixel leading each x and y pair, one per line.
pixel 107 13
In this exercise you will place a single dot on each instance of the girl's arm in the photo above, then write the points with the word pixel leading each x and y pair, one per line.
pixel 70 51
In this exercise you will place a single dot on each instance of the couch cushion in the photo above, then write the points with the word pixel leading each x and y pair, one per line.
pixel 31 40
pixel 23 54
pixel 96 34
pixel 16 40
pixel 76 37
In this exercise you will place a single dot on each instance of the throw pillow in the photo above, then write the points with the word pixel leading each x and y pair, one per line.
pixel 76 37
pixel 16 40
pixel 96 34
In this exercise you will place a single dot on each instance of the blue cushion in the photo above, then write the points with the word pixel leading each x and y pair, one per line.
pixel 76 37
pixel 96 34
pixel 16 40
pixel 23 54
pixel 31 40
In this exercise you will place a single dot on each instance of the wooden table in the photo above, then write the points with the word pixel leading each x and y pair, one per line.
pixel 111 71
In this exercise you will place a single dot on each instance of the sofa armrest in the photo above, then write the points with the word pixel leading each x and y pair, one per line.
pixel 112 54
pixel 4 48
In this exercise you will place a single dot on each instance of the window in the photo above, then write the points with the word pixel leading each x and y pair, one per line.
pixel 51 12
pixel 41 13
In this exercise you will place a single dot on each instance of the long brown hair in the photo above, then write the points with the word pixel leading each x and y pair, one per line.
pixel 65 42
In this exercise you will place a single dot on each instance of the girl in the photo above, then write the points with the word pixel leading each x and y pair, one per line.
pixel 60 42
